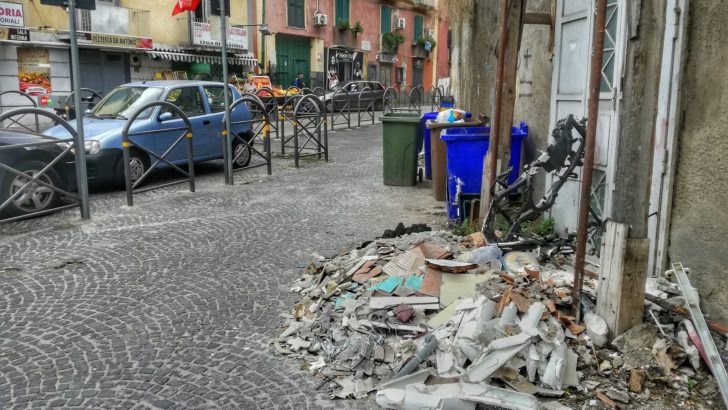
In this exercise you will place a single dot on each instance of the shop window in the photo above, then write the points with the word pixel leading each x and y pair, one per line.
pixel 342 10
pixel 186 99
pixel 297 13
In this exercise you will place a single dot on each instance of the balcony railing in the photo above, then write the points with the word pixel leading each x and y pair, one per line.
pixel 205 34
pixel 110 19
pixel 425 4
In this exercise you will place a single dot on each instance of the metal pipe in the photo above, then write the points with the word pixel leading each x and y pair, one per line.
pixel 595 79
pixel 81 175
pixel 495 134
pixel 226 95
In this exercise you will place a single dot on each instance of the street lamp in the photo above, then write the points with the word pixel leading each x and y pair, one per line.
pixel 263 28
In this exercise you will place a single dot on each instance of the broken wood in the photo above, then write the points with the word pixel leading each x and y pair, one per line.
pixel 621 292
pixel 606 400
pixel 636 379
pixel 682 311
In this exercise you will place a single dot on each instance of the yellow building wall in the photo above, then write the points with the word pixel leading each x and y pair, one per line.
pixel 163 27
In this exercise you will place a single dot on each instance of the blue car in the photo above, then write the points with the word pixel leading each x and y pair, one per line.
pixel 201 101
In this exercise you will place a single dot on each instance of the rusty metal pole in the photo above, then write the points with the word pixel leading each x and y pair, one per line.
pixel 595 79
pixel 495 131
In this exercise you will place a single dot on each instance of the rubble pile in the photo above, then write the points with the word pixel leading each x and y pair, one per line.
pixel 429 320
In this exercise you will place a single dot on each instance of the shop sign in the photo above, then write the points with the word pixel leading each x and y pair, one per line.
pixel 116 40
pixel 261 81
pixel 34 71
pixel 237 37
pixel 11 14
pixel 14 34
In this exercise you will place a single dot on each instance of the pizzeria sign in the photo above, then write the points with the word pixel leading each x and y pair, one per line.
pixel 11 14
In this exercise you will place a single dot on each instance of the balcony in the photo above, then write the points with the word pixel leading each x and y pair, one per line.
pixel 110 19
pixel 426 5
pixel 344 38
pixel 418 51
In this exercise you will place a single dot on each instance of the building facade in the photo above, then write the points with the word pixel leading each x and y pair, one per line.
pixel 394 42
pixel 120 41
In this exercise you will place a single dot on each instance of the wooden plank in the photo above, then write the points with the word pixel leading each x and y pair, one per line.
pixel 537 18
pixel 610 278
pixel 621 292
pixel 513 44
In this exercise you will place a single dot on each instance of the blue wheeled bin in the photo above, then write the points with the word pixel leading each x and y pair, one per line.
pixel 428 152
pixel 466 148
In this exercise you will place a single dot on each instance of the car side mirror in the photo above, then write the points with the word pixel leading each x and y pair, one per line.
pixel 165 116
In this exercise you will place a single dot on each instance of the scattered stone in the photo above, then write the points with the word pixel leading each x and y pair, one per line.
pixel 618 395
pixel 605 365
pixel 636 379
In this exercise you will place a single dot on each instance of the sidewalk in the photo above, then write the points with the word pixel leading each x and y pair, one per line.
pixel 170 303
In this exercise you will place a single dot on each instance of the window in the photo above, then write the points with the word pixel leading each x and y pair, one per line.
pixel 216 99
pixel 215 7
pixel 342 10
pixel 386 24
pixel 296 13
pixel 419 23
pixel 186 99
pixel 610 42
pixel 124 101
pixel 200 11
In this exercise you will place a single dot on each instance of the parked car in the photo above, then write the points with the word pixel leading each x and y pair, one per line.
pixel 353 88
pixel 31 160
pixel 201 101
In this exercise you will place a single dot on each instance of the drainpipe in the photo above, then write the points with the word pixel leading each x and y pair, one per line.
pixel 595 78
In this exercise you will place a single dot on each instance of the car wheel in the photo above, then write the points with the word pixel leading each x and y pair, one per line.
pixel 36 197
pixel 137 167
pixel 241 155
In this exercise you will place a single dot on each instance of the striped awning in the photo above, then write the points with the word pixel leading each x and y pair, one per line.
pixel 233 59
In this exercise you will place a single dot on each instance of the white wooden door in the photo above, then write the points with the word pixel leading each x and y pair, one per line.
pixel 569 95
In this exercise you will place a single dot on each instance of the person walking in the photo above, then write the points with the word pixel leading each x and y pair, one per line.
pixel 333 81
pixel 298 82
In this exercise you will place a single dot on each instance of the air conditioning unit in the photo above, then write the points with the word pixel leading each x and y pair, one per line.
pixel 400 23
pixel 320 19
pixel 430 33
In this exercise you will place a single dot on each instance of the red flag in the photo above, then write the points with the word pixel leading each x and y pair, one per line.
pixel 185 5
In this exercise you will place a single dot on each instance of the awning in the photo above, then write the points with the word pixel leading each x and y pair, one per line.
pixel 234 59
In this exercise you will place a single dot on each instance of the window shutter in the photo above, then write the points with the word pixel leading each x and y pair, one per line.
pixel 418 27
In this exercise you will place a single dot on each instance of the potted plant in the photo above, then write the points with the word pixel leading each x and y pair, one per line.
pixel 391 42
pixel 422 42
pixel 357 29
pixel 343 24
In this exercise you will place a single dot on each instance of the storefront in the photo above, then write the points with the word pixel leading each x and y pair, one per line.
pixel 293 56
pixel 347 65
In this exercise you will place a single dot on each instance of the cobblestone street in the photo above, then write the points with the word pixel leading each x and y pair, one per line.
pixel 171 303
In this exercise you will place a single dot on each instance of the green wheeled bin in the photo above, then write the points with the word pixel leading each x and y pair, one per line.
pixel 400 148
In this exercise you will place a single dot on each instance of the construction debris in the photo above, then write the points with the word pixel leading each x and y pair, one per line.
pixel 421 321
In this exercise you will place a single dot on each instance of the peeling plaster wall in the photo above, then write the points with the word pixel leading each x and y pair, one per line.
pixel 699 228
pixel 533 87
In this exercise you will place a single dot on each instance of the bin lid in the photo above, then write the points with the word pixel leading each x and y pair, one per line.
pixel 400 117
pixel 466 134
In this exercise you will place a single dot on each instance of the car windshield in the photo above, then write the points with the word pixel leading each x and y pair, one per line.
pixel 124 101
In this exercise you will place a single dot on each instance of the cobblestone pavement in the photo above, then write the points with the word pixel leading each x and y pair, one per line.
pixel 171 303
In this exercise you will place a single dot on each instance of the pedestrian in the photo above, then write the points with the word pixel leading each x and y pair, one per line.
pixel 298 82
pixel 333 81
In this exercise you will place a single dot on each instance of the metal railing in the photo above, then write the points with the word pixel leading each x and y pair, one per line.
pixel 344 110
pixel 33 183
pixel 16 121
pixel 310 123
pixel 134 181
pixel 245 145
pixel 368 107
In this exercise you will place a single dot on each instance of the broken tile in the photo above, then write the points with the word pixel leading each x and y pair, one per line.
pixel 431 282
pixel 414 282
pixel 388 285
pixel 450 266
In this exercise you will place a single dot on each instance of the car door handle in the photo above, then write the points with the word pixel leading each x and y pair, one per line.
pixel 206 122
